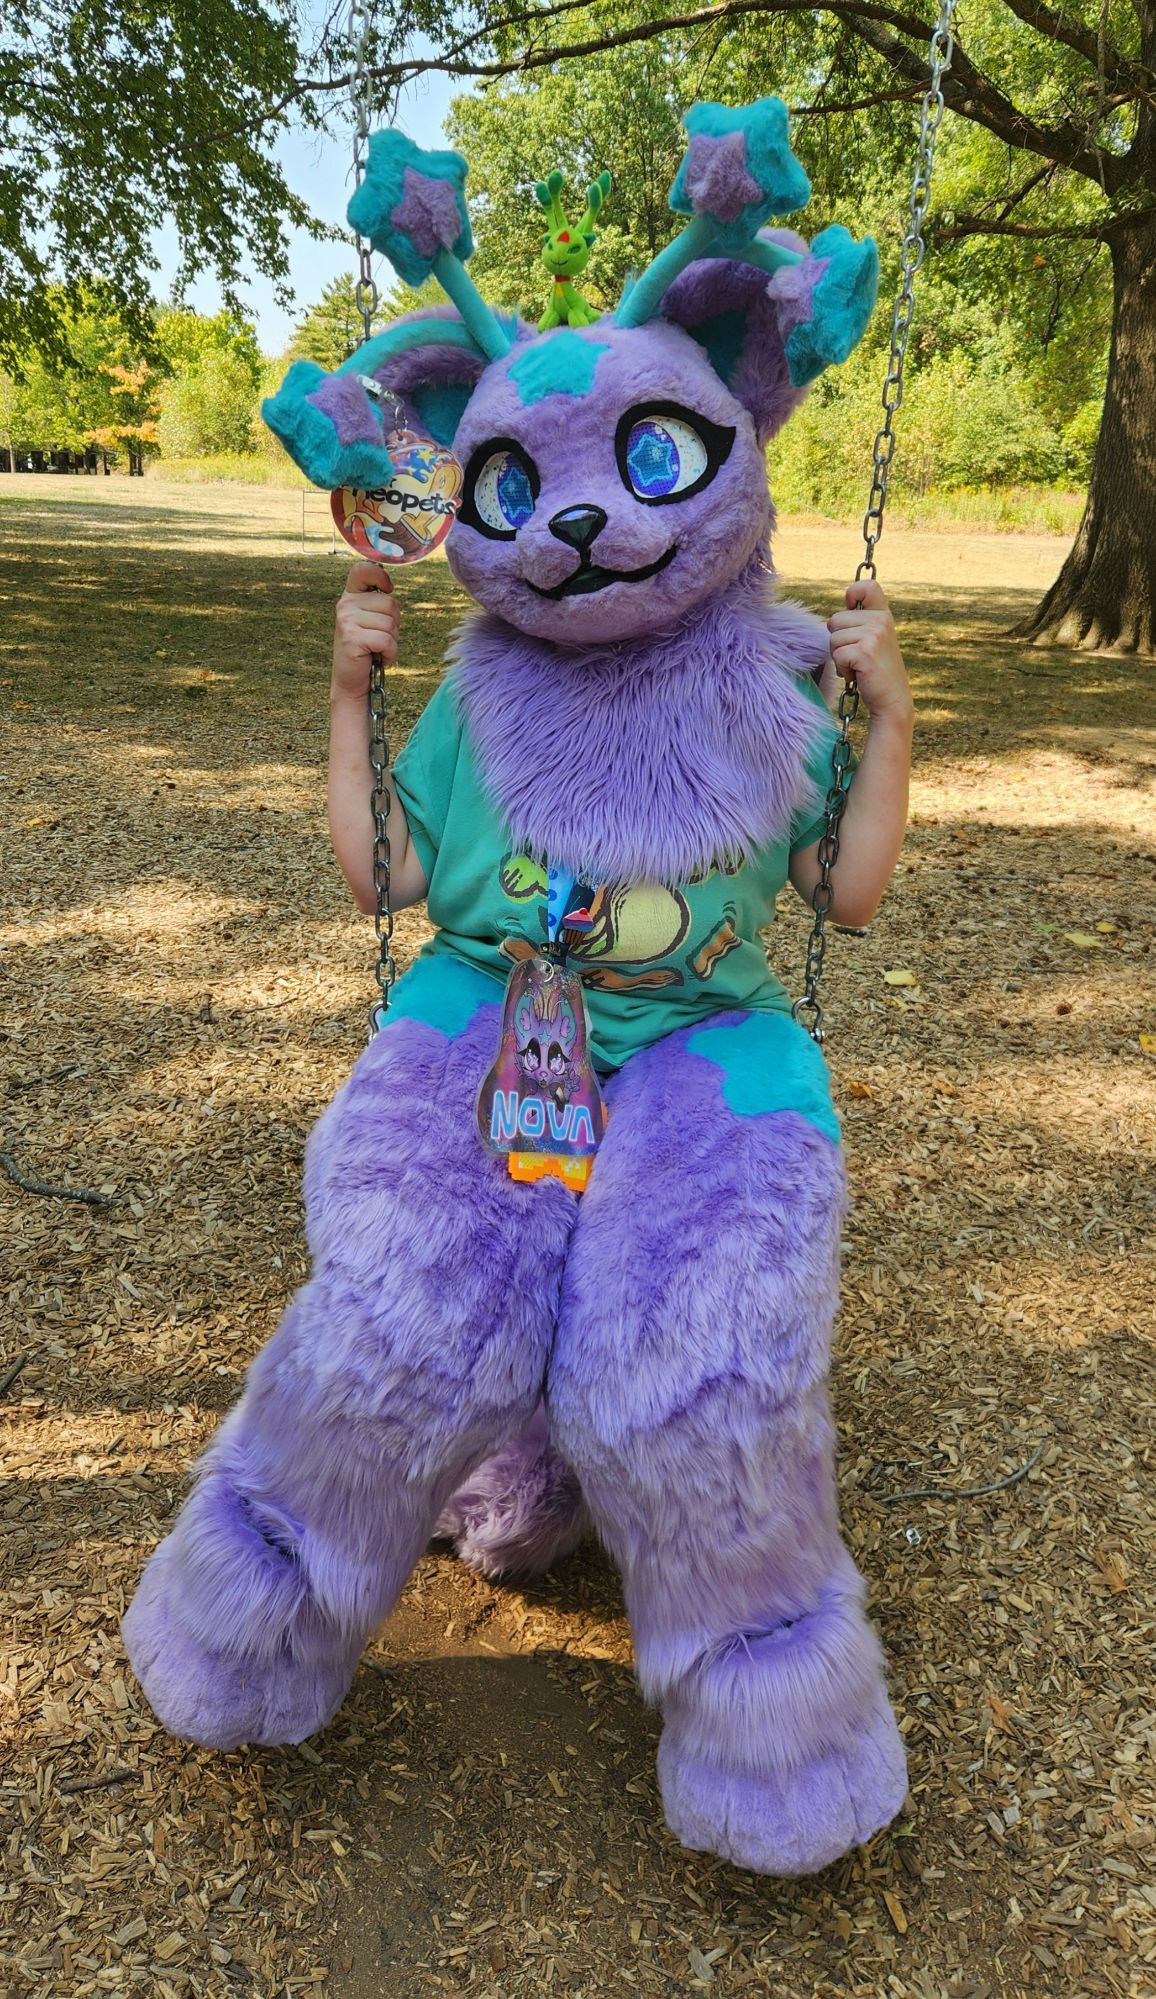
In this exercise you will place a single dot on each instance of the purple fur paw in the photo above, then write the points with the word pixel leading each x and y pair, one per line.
pixel 519 1512
pixel 207 1696
pixel 793 1821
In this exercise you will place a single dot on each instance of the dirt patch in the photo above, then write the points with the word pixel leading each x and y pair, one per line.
pixel 185 986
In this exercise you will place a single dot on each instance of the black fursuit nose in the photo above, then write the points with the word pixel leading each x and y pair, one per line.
pixel 578 526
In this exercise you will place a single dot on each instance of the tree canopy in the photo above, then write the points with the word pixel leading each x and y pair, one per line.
pixel 114 115
pixel 117 115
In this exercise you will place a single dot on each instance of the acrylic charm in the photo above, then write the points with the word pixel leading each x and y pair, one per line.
pixel 411 515
pixel 540 1103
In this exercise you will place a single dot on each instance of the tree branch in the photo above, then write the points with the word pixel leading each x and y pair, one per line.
pixel 967 89
pixel 974 96
pixel 1076 232
pixel 908 96
pixel 1104 58
pixel 449 64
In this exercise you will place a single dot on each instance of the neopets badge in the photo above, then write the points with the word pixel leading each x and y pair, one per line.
pixel 411 516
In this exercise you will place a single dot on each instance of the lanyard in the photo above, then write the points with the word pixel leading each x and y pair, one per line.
pixel 568 901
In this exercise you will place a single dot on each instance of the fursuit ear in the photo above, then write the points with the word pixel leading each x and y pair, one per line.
pixel 768 335
pixel 411 204
pixel 334 427
pixel 433 380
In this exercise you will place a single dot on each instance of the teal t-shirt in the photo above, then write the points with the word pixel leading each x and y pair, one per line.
pixel 656 958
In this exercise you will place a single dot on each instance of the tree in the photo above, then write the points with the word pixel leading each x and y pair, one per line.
pixel 208 407
pixel 104 393
pixel 330 330
pixel 133 427
pixel 118 114
pixel 1062 102
pixel 183 339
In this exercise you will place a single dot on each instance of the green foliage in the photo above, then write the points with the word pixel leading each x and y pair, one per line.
pixel 618 112
pixel 106 394
pixel 959 429
pixel 117 115
pixel 208 407
pixel 1008 357
pixel 330 330
pixel 197 375
pixel 184 338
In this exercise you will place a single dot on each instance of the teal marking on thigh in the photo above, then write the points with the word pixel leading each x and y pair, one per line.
pixel 444 992
pixel 770 1063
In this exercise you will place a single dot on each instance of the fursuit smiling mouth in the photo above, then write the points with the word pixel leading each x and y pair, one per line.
pixel 591 577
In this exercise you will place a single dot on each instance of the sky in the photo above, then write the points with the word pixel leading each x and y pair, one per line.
pixel 320 170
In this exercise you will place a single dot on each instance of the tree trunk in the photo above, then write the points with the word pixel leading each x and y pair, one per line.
pixel 1105 594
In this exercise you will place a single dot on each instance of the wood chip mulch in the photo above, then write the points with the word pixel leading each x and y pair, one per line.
pixel 184 988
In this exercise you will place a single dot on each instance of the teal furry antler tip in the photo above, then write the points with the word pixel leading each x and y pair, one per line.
pixel 737 172
pixel 566 251
pixel 412 207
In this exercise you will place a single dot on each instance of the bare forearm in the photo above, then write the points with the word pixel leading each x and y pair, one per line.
pixel 351 812
pixel 865 648
pixel 873 824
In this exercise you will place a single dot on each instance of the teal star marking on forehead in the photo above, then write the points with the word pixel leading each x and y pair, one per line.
pixel 559 364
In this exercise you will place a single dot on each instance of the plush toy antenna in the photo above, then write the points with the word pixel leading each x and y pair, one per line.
pixel 737 172
pixel 412 207
pixel 566 251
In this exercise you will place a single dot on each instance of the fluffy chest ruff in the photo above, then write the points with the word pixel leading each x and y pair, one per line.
pixel 652 759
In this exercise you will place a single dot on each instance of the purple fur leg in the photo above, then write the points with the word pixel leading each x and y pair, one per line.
pixel 417 1347
pixel 520 1511
pixel 688 1389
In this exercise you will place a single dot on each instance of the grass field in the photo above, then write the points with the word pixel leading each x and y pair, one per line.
pixel 185 986
pixel 982 509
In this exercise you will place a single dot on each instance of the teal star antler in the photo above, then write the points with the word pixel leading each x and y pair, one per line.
pixel 566 251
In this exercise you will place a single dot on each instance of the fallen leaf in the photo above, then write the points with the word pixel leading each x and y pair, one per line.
pixel 1083 940
pixel 1001 1714
pixel 864 1091
pixel 1148 1043
pixel 1113 1571
pixel 899 978
pixel 1107 928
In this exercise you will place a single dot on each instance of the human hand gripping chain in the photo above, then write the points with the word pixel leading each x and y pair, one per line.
pixel 366 626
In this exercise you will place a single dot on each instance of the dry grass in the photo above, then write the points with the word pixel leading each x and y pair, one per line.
pixel 185 987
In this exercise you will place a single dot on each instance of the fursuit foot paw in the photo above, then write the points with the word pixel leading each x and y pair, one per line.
pixel 787 1822
pixel 282 1691
pixel 519 1512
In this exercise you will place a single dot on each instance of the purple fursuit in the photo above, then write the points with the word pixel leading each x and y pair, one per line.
pixel 504 1363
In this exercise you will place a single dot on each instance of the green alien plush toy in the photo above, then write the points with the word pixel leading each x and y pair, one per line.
pixel 566 251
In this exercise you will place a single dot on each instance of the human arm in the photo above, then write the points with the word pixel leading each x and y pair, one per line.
pixel 366 622
pixel 864 643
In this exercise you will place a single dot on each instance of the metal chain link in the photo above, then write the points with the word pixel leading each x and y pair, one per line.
pixel 941 49
pixel 365 290
pixel 365 293
pixel 807 1010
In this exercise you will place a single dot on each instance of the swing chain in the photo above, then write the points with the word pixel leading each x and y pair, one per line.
pixel 366 295
pixel 807 1010
pixel 385 970
pixel 365 290
pixel 914 250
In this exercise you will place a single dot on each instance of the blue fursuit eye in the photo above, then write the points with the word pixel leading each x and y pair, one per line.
pixel 503 493
pixel 664 457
